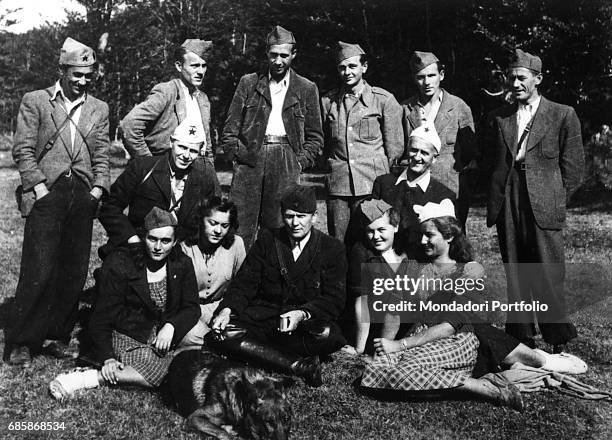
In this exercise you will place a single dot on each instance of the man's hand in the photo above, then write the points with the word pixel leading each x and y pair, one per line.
pixel 164 338
pixel 40 189
pixel 295 317
pixel 220 321
pixel 96 192
pixel 109 370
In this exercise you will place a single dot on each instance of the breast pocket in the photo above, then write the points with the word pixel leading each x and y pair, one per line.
pixel 369 129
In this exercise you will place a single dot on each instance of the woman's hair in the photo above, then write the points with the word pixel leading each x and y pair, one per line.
pixel 206 209
pixel 460 248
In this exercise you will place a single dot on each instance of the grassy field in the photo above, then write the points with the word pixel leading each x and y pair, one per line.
pixel 336 410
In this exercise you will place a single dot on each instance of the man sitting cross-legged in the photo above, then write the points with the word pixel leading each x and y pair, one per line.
pixel 280 309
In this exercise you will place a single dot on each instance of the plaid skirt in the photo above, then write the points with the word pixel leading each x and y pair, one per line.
pixel 441 364
pixel 145 359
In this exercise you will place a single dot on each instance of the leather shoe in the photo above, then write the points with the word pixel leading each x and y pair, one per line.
pixel 59 350
pixel 20 356
pixel 508 394
pixel 308 369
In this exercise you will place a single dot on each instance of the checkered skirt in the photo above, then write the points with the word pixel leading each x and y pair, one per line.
pixel 441 364
pixel 145 359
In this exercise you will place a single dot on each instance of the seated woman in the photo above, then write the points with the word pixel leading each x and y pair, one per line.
pixel 443 354
pixel 217 253
pixel 145 308
pixel 375 257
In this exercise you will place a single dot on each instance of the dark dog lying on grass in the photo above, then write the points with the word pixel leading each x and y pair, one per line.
pixel 213 392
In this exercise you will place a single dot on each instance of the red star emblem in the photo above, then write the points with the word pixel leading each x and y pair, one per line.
pixel 85 57
pixel 192 130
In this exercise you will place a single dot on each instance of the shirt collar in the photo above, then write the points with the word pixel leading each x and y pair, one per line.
pixel 302 242
pixel 59 91
pixel 284 82
pixel 439 99
pixel 534 105
pixel 422 181
pixel 186 89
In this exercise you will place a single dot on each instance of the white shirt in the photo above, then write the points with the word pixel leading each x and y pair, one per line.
pixel 523 116
pixel 433 110
pixel 422 181
pixel 68 106
pixel 278 90
pixel 192 109
pixel 298 246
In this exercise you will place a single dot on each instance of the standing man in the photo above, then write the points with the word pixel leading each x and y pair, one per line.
pixel 280 309
pixel 61 150
pixel 272 133
pixel 147 128
pixel 363 137
pixel 535 162
pixel 453 121
pixel 174 182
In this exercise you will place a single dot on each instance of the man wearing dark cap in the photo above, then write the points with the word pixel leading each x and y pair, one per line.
pixel 272 132
pixel 363 137
pixel 534 162
pixel 281 308
pixel 147 128
pixel 453 121
pixel 61 150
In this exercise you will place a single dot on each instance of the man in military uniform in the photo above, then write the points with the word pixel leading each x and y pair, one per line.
pixel 147 128
pixel 272 133
pixel 61 150
pixel 363 136
pixel 453 121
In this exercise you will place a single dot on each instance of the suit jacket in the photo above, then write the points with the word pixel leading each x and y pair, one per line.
pixel 259 292
pixel 403 200
pixel 455 127
pixel 249 111
pixel 129 190
pixel 148 126
pixel 362 147
pixel 38 120
pixel 124 302
pixel 554 160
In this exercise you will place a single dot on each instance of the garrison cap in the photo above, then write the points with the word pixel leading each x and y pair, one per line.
pixel 347 50
pixel 300 199
pixel 280 35
pixel 435 210
pixel 158 218
pixel 526 60
pixel 374 209
pixel 420 60
pixel 428 133
pixel 199 47
pixel 189 131
pixel 74 53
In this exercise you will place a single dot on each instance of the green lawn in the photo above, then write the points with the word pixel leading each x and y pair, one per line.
pixel 336 411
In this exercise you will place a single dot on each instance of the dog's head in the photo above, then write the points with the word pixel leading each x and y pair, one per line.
pixel 267 413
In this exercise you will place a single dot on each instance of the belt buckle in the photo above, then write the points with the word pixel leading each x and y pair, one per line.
pixel 521 166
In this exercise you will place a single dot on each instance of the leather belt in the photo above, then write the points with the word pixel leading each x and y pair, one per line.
pixel 273 139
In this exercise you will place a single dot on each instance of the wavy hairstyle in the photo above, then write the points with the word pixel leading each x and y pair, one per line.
pixel 460 248
pixel 205 209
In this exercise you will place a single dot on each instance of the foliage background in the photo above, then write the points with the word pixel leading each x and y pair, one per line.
pixel 472 37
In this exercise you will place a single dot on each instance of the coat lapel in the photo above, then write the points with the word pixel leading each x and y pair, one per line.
pixel 192 190
pixel 443 117
pixel 58 114
pixel 509 127
pixel 86 123
pixel 173 292
pixel 161 177
pixel 263 88
pixel 304 261
pixel 291 98
pixel 140 285
pixel 179 106
pixel 413 117
pixel 541 122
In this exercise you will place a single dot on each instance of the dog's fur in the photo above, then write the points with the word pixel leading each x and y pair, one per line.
pixel 213 392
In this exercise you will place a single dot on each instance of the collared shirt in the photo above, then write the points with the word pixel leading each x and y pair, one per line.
pixel 433 109
pixel 298 246
pixel 524 114
pixel 177 186
pixel 278 90
pixel 68 106
pixel 422 181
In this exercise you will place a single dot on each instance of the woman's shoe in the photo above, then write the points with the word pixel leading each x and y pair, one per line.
pixel 65 384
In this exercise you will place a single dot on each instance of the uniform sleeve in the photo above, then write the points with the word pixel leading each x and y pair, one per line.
pixel 100 159
pixel 571 157
pixel 24 147
pixel 393 134
pixel 466 136
pixel 189 309
pixel 135 122
pixel 313 131
pixel 230 139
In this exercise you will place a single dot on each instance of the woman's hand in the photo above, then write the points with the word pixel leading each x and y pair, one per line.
pixel 220 321
pixel 163 341
pixel 110 369
pixel 386 346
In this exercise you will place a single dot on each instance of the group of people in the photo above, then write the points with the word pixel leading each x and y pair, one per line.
pixel 249 276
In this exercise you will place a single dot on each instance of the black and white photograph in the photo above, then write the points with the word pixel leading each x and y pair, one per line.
pixel 306 219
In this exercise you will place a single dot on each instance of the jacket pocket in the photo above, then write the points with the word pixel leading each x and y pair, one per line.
pixel 369 128
pixel 550 150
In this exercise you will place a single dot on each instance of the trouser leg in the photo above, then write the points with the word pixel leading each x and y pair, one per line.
pixel 73 260
pixel 338 215
pixel 245 192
